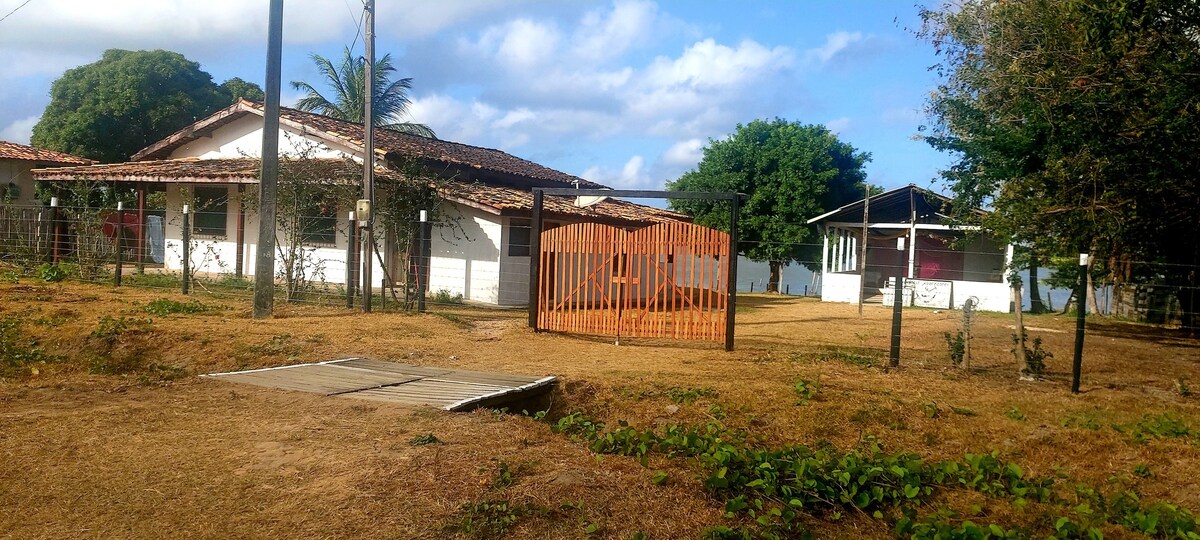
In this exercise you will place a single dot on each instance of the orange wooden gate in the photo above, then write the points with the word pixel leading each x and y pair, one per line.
pixel 666 280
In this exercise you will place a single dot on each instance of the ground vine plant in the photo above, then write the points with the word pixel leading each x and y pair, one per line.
pixel 769 492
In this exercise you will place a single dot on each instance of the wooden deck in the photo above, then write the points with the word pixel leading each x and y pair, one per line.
pixel 449 389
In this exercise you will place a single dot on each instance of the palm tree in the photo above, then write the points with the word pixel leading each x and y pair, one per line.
pixel 347 81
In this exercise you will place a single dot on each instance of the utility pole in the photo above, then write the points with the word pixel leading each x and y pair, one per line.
pixel 368 154
pixel 264 257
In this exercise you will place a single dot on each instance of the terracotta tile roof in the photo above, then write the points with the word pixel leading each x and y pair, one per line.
pixel 10 150
pixel 509 200
pixel 387 143
pixel 225 171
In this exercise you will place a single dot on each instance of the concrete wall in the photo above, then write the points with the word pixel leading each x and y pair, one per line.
pixel 465 254
pixel 837 287
pixel 992 296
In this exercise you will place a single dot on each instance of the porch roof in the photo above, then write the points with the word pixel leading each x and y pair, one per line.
pixel 509 201
pixel 10 150
pixel 194 171
pixel 896 206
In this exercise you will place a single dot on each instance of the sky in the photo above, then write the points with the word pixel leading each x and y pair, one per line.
pixel 626 93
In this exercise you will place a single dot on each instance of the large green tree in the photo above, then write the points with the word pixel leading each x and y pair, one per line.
pixel 110 109
pixel 1078 122
pixel 791 172
pixel 347 81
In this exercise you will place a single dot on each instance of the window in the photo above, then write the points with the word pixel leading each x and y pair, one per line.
pixel 518 237
pixel 211 210
pixel 319 222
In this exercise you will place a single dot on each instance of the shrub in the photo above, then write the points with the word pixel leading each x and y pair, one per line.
pixel 443 296
pixel 806 390
pixel 1035 358
pixel 52 272
pixel 165 306
pixel 957 347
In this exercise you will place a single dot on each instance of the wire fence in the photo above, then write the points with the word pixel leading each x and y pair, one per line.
pixel 213 251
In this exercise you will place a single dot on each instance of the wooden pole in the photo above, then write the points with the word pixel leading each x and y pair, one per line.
pixel 422 262
pixel 862 263
pixel 187 250
pixel 731 260
pixel 350 225
pixel 1022 363
pixel 897 314
pixel 264 264
pixel 535 252
pixel 368 150
pixel 141 228
pixel 54 229
pixel 120 243
pixel 1080 318
pixel 240 254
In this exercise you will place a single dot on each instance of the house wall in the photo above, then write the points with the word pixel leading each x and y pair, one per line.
pixel 465 254
pixel 16 172
pixel 218 254
pixel 243 138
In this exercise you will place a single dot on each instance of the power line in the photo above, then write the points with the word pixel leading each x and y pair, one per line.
pixel 15 10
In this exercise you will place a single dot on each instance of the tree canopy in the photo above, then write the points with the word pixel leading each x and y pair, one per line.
pixel 791 172
pixel 347 81
pixel 110 109
pixel 1078 122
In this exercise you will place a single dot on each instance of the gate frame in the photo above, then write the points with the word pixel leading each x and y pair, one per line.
pixel 535 239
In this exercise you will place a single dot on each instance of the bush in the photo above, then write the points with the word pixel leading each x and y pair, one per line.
pixel 165 306
pixel 52 272
pixel 443 296
pixel 957 346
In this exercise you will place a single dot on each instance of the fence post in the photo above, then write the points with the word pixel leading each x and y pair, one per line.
pixel 54 230
pixel 187 250
pixel 735 203
pixel 422 262
pixel 350 244
pixel 1080 318
pixel 120 242
pixel 535 256
pixel 897 312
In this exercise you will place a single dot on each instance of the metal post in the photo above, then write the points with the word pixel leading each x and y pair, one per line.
pixel 787 289
pixel 897 310
pixel 422 260
pixel 735 204
pixel 120 242
pixel 54 229
pixel 1080 318
pixel 264 259
pixel 368 149
pixel 350 261
pixel 141 228
pixel 187 250
pixel 535 256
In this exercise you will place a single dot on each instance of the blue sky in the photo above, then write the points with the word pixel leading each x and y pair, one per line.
pixel 625 93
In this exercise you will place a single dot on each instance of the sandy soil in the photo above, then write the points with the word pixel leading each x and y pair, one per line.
pixel 157 451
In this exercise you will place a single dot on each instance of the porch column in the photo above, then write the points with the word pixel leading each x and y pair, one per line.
pixel 824 249
pixel 853 246
pixel 912 250
pixel 1008 261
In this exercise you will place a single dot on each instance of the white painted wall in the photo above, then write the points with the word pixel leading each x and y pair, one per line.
pixel 16 172
pixel 465 253
pixel 243 138
pixel 837 287
pixel 218 254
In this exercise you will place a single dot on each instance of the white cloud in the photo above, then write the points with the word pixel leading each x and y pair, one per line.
pixel 834 44
pixel 838 125
pixel 684 153
pixel 605 35
pixel 708 64
pixel 20 130
pixel 633 175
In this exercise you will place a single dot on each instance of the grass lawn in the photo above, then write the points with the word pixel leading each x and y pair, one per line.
pixel 106 432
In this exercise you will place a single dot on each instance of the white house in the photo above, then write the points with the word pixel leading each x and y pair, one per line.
pixel 480 251
pixel 16 162
pixel 908 233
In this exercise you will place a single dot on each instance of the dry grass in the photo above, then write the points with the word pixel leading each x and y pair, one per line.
pixel 144 453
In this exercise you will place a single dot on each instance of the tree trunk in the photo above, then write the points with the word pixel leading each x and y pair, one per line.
pixel 1019 326
pixel 1035 294
pixel 776 277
